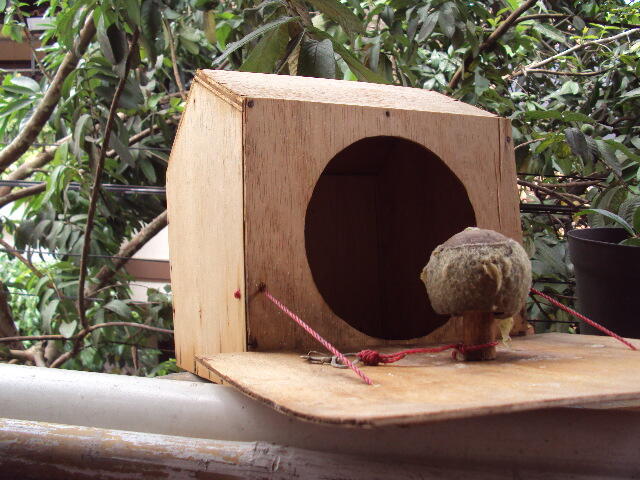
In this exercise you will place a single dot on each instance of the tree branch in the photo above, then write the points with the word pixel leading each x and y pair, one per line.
pixel 567 73
pixel 7 325
pixel 174 61
pixel 491 41
pixel 80 336
pixel 22 193
pixel 97 178
pixel 47 105
pixel 566 52
pixel 27 168
pixel 563 197
pixel 127 250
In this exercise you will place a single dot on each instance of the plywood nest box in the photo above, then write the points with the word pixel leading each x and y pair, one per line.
pixel 334 194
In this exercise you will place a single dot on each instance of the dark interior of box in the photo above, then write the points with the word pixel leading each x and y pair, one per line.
pixel 378 210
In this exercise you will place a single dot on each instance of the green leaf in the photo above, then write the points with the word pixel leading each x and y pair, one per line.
pixel 68 329
pixel 15 106
pixel 267 52
pixel 316 59
pixel 147 168
pixel 447 19
pixel 151 27
pixel 480 83
pixel 636 220
pixel 47 314
pixel 578 143
pixel 611 216
pixel 576 117
pixel 362 72
pixel 569 88
pixel 119 307
pixel 258 32
pixel 608 156
pixel 628 209
pixel 122 150
pixel 550 32
pixel 209 25
pixel 631 242
pixel 339 13
pixel 428 24
pixel 631 93
pixel 26 82
pixel 133 11
pixel 113 42
pixel 552 257
pixel 78 132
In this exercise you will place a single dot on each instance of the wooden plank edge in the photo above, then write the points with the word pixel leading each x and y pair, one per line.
pixel 224 93
pixel 405 420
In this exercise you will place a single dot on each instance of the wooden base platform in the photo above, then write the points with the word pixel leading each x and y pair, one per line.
pixel 539 371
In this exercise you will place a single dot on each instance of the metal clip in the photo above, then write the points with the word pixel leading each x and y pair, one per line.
pixel 317 357
pixel 323 359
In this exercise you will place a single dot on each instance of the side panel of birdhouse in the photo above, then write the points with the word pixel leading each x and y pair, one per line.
pixel 287 147
pixel 205 201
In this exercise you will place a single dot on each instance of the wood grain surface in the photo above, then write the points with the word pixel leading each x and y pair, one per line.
pixel 204 198
pixel 548 370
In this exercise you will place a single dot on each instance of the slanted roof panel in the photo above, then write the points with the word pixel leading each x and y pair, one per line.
pixel 322 90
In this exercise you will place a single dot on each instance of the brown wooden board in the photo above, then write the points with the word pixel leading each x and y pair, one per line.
pixel 539 371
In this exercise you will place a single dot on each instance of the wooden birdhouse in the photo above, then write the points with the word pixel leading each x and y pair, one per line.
pixel 333 194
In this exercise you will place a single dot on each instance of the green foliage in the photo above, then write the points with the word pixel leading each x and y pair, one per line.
pixel 576 116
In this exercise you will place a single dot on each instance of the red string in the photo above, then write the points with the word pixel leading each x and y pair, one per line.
pixel 582 317
pixel 372 357
pixel 316 335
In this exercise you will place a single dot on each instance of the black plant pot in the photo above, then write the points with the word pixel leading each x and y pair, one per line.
pixel 607 279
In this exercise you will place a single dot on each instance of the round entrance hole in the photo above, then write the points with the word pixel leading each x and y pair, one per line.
pixel 377 211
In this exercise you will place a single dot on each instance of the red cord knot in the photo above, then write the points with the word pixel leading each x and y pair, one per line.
pixel 237 294
pixel 262 287
pixel 370 357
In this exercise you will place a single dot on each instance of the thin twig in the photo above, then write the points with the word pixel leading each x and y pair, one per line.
pixel 564 197
pixel 83 333
pixel 567 73
pixel 575 48
pixel 27 33
pixel 9 249
pixel 142 134
pixel 95 189
pixel 586 183
pixel 529 142
pixel 174 61
pixel 491 41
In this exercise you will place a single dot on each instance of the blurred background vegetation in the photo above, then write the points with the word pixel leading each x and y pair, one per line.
pixel 566 74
